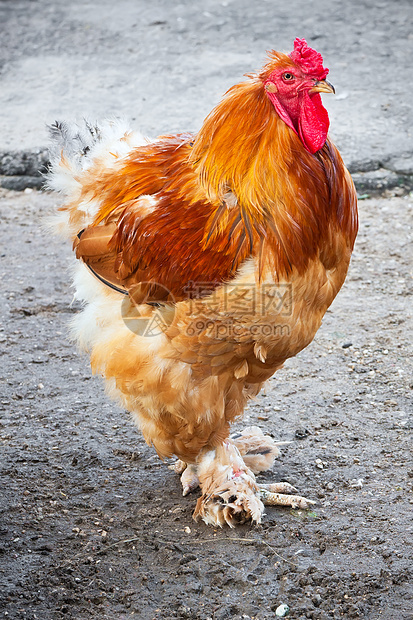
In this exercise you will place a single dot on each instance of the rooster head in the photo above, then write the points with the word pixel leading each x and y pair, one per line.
pixel 293 83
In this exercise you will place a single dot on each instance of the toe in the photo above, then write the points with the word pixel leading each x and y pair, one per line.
pixel 178 467
pixel 279 487
pixel 189 480
pixel 283 499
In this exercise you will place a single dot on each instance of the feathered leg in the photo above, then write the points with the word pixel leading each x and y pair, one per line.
pixel 258 450
pixel 230 494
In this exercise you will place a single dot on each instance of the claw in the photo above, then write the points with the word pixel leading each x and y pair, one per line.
pixel 230 493
pixel 189 476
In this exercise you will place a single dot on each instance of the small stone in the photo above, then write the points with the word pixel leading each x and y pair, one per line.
pixel 317 600
pixel 282 611
pixel 302 433
pixel 187 530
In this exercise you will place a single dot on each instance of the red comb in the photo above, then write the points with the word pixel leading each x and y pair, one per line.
pixel 308 59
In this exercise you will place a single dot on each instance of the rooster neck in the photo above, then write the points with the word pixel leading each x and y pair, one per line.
pixel 289 200
pixel 245 148
pixel 233 150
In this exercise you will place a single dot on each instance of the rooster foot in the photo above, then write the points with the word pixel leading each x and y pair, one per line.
pixel 189 479
pixel 230 493
pixel 178 467
pixel 226 475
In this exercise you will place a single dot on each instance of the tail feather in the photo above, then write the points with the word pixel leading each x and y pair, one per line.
pixel 74 149
pixel 70 152
pixel 76 146
pixel 72 141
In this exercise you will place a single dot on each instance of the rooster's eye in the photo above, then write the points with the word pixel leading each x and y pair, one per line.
pixel 287 77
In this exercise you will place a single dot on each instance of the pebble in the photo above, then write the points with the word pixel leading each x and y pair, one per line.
pixel 301 433
pixel 282 611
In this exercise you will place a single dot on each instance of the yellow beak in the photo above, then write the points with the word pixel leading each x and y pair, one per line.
pixel 323 86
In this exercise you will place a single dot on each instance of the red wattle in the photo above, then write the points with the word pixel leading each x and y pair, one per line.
pixel 309 120
pixel 313 122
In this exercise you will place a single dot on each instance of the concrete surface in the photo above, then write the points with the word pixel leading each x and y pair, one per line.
pixel 165 64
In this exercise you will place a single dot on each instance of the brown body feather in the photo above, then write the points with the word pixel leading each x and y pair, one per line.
pixel 287 200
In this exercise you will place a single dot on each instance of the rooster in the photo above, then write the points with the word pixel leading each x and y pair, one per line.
pixel 206 261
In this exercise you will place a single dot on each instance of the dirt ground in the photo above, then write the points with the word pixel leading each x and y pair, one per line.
pixel 93 525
